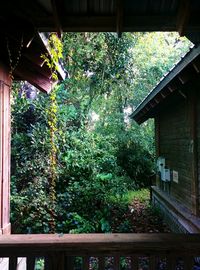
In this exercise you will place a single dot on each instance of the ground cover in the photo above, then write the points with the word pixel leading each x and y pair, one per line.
pixel 140 216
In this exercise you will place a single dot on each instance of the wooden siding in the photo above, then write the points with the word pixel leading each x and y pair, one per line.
pixel 175 146
pixel 4 151
pixel 198 137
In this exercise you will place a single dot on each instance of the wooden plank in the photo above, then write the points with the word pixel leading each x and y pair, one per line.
pixel 6 157
pixel 171 262
pixel 135 262
pixel 47 263
pixel 182 213
pixel 157 135
pixel 103 242
pixel 1 151
pixel 188 262
pixel 152 263
pixel 105 23
pixel 34 77
pixel 131 258
pixel 196 66
pixel 183 16
pixel 5 130
pixel 55 260
pixel 86 262
pixel 59 259
pixel 116 265
pixel 101 263
pixel 57 247
pixel 30 262
pixel 119 17
pixel 12 263
pixel 69 262
pixel 56 16
pixel 193 151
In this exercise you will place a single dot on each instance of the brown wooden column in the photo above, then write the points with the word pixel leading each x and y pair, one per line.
pixel 5 130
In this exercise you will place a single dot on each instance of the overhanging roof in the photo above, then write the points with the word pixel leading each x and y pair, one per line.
pixel 25 18
pixel 21 49
pixel 107 15
pixel 184 71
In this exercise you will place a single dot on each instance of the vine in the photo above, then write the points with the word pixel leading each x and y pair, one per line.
pixel 11 64
pixel 55 49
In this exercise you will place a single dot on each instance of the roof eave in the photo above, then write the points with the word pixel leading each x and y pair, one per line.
pixel 181 73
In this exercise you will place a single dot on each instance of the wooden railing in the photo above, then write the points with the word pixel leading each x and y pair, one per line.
pixel 102 251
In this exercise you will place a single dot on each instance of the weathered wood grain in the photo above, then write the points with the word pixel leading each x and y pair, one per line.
pixel 5 130
pixel 55 248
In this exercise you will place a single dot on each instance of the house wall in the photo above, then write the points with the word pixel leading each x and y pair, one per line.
pixel 175 145
pixel 198 141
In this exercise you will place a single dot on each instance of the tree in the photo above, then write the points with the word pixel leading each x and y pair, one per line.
pixel 98 160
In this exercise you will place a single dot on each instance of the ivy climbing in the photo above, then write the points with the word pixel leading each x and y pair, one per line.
pixel 55 49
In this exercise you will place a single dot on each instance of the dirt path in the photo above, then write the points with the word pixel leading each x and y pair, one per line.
pixel 140 217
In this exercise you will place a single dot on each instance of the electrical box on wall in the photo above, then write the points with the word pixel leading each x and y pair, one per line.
pixel 164 172
pixel 167 175
pixel 175 176
pixel 160 164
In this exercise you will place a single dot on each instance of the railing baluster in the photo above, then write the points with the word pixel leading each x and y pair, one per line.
pixel 171 263
pixel 135 262
pixel 86 262
pixel 30 261
pixel 154 250
pixel 152 262
pixel 48 263
pixel 55 261
pixel 188 263
pixel 59 261
pixel 12 263
pixel 69 262
pixel 101 263
pixel 131 262
pixel 116 262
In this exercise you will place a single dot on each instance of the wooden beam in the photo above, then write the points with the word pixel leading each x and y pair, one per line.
pixel 89 244
pixel 186 74
pixel 196 66
pixel 90 7
pixel 119 17
pixel 35 68
pixel 5 131
pixel 183 16
pixel 20 30
pixel 30 74
pixel 56 15
pixel 163 96
pixel 34 52
pixel 171 88
pixel 105 23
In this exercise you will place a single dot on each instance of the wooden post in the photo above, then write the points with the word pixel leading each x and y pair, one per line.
pixel 5 129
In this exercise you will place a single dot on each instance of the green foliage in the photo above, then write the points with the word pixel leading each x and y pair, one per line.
pixel 98 160
pixel 153 56
pixel 143 195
